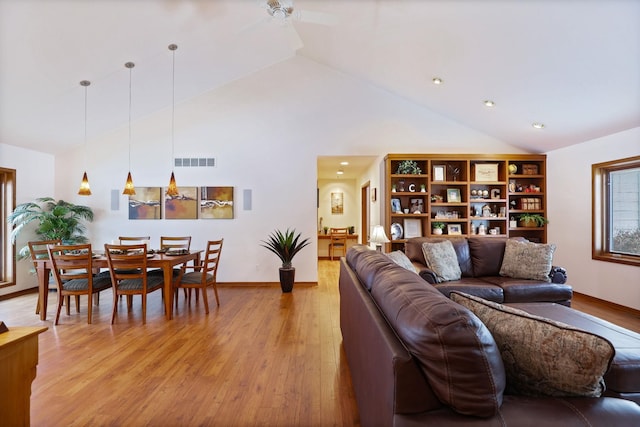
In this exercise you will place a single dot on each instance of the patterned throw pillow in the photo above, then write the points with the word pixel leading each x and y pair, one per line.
pixel 402 260
pixel 442 260
pixel 543 357
pixel 527 260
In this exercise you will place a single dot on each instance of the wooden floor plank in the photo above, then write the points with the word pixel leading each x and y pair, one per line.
pixel 262 358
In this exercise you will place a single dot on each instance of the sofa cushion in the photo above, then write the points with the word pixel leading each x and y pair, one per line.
pixel 486 255
pixel 542 356
pixel 402 260
pixel 453 348
pixel 527 260
pixel 472 286
pixel 441 259
pixel 524 290
pixel 413 249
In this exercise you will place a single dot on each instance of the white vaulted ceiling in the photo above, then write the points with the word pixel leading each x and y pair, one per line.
pixel 572 65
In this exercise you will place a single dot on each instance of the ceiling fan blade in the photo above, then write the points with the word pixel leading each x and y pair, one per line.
pixel 313 17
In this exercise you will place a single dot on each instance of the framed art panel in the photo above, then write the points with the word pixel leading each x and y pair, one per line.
pixel 145 204
pixel 438 172
pixel 486 172
pixel 216 202
pixel 337 203
pixel 182 206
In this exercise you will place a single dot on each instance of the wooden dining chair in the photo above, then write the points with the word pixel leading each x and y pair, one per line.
pixel 73 270
pixel 175 242
pixel 134 240
pixel 203 275
pixel 128 269
pixel 338 239
pixel 38 250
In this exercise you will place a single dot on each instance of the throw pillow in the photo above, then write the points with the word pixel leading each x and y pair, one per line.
pixel 527 260
pixel 543 357
pixel 442 260
pixel 402 260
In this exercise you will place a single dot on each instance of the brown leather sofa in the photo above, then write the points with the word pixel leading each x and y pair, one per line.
pixel 418 359
pixel 480 259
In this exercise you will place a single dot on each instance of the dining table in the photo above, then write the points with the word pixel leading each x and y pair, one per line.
pixel 165 261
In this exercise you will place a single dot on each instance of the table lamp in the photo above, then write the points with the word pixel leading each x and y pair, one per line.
pixel 379 237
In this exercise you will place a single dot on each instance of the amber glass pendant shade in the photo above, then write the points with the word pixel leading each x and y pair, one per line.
pixel 85 188
pixel 129 189
pixel 172 190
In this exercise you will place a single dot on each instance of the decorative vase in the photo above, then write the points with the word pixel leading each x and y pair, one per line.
pixel 530 223
pixel 287 277
pixel 437 231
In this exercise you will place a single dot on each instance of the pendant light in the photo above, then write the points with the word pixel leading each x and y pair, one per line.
pixel 129 189
pixel 85 189
pixel 172 190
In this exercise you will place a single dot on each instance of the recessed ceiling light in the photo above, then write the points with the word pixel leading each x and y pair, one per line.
pixel 340 172
pixel 344 163
pixel 489 103
pixel 437 81
pixel 538 125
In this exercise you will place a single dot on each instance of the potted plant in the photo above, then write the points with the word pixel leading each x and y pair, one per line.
pixel 285 245
pixel 56 220
pixel 532 220
pixel 436 227
pixel 407 167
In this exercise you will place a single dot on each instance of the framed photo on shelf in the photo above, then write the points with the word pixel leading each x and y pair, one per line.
pixel 453 195
pixel 412 228
pixel 395 205
pixel 438 172
pixel 487 172
pixel 416 206
pixel 454 229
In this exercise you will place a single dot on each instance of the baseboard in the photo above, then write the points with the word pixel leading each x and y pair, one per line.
pixel 18 293
pixel 608 304
pixel 264 284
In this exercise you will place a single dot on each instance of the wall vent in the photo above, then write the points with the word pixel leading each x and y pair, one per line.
pixel 192 162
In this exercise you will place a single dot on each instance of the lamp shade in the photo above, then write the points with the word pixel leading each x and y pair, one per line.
pixel 85 189
pixel 378 236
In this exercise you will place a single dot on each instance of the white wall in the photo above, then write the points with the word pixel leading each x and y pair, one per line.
pixel 265 137
pixel 569 210
pixel 34 178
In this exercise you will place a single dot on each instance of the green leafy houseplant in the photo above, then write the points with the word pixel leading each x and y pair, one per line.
pixel 56 220
pixel 532 220
pixel 437 225
pixel 409 167
pixel 285 245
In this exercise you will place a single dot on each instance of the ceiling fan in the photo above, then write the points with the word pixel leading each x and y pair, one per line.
pixel 283 13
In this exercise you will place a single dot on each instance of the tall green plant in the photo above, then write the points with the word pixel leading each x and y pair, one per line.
pixel 56 220
pixel 285 245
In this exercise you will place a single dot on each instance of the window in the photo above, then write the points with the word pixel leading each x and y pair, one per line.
pixel 616 211
pixel 7 205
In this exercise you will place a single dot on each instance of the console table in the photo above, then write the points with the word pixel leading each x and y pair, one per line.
pixel 18 361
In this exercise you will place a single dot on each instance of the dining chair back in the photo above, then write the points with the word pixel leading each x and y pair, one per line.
pixel 338 240
pixel 73 270
pixel 203 275
pixel 175 242
pixel 128 270
pixel 134 240
pixel 38 250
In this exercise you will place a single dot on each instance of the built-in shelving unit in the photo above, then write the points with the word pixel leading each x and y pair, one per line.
pixel 473 194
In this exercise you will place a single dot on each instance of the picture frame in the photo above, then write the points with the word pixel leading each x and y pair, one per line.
pixel 396 206
pixel 439 172
pixel 337 203
pixel 374 194
pixel 454 229
pixel 453 195
pixel 412 228
pixel 416 206
pixel 486 172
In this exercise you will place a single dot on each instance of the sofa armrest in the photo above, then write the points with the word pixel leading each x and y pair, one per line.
pixel 558 274
pixel 429 276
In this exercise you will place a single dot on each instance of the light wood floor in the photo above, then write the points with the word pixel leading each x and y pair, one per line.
pixel 262 358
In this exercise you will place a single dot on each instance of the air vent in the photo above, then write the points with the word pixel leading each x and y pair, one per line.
pixel 192 162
